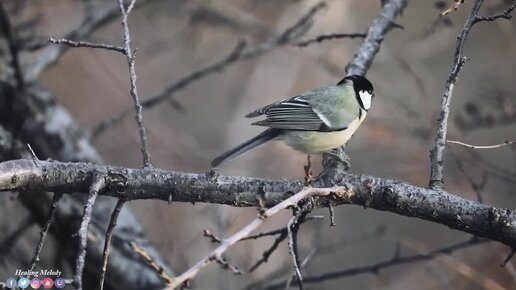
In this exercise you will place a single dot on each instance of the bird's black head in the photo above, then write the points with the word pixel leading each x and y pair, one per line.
pixel 362 87
pixel 360 83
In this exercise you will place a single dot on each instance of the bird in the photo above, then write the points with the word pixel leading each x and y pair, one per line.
pixel 313 122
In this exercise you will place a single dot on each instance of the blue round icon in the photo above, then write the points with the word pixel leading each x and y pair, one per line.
pixel 10 283
pixel 23 283
pixel 59 283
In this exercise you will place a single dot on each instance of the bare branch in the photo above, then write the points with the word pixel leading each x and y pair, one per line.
pixel 452 8
pixel 363 60
pixel 227 266
pixel 153 264
pixel 508 258
pixel 436 154
pixel 375 34
pixel 97 184
pixel 505 15
pixel 382 194
pixel 247 230
pixel 505 143
pixel 292 230
pixel 238 54
pixel 52 53
pixel 266 255
pixel 394 261
pixel 107 241
pixel 86 44
pixel 46 228
pixel 134 90
pixel 324 37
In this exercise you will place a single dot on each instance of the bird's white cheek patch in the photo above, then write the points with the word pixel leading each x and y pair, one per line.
pixel 365 97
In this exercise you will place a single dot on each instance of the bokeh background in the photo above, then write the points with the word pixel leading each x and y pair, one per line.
pixel 175 38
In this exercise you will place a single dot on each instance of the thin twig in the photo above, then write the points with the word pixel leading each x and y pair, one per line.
pixel 89 24
pixel 508 258
pixel 278 231
pixel 86 44
pixel 107 240
pixel 134 91
pixel 97 184
pixel 266 255
pixel 331 210
pixel 505 15
pixel 505 143
pixel 394 261
pixel 226 265
pixel 226 243
pixel 478 187
pixel 324 37
pixel 437 152
pixel 236 55
pixel 292 230
pixel 301 265
pixel 167 278
pixel 50 218
pixel 452 8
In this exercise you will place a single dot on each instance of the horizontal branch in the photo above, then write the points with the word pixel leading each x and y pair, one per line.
pixel 324 37
pixel 377 193
pixel 86 44
pixel 505 143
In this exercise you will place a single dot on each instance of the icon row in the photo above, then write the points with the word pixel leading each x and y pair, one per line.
pixel 35 283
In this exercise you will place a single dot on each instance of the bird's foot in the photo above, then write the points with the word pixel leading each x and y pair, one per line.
pixel 308 172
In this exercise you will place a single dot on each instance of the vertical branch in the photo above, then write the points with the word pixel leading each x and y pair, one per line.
pixel 107 241
pixel 363 60
pixel 134 91
pixel 44 231
pixel 96 185
pixel 436 154
pixel 292 230
pixel 374 37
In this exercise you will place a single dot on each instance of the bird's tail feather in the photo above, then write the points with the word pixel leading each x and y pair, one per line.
pixel 259 139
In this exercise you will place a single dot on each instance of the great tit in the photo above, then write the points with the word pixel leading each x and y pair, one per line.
pixel 313 122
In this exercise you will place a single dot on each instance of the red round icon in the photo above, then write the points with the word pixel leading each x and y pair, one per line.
pixel 48 283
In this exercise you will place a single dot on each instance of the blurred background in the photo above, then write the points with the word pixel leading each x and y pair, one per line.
pixel 176 38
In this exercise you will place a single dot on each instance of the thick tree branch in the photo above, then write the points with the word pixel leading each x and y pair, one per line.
pixel 375 34
pixel 381 194
pixel 364 58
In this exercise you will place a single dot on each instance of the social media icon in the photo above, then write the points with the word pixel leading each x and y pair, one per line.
pixel 35 283
pixel 10 283
pixel 48 283
pixel 23 283
pixel 59 283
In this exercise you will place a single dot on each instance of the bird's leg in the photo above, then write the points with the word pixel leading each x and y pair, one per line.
pixel 308 171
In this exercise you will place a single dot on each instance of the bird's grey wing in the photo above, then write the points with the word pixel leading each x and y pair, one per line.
pixel 304 112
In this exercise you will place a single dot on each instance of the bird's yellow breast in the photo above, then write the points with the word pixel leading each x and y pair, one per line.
pixel 311 142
